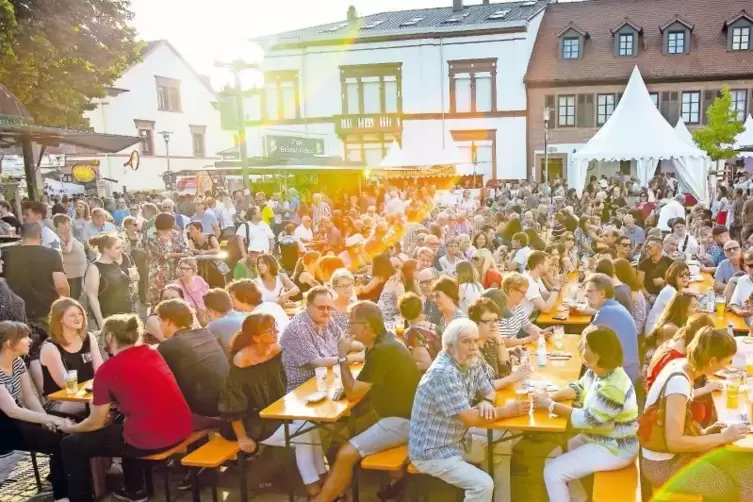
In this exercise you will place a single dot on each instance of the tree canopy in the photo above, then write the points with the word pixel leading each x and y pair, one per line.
pixel 722 128
pixel 56 56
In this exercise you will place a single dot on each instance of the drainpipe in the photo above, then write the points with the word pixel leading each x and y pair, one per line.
pixel 441 81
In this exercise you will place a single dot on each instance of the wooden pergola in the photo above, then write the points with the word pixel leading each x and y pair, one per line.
pixel 18 131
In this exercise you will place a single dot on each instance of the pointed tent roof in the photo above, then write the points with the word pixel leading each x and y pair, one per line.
pixel 636 130
pixel 682 131
pixel 745 139
pixel 395 157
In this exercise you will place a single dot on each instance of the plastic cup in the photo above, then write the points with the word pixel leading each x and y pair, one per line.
pixel 321 379
pixel 337 376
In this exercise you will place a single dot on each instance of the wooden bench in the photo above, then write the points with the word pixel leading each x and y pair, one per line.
pixel 622 485
pixel 178 449
pixel 677 497
pixel 211 456
pixel 389 460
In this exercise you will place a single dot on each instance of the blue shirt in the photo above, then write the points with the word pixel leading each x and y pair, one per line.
pixel 637 235
pixel 724 272
pixel 118 215
pixel 208 221
pixel 616 317
pixel 91 230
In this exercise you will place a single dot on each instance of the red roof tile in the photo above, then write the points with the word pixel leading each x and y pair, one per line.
pixel 708 57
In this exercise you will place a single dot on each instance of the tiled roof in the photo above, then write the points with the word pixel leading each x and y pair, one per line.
pixel 708 55
pixel 394 22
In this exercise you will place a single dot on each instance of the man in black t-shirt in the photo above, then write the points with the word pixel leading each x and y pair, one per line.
pixel 391 376
pixel 653 268
pixel 35 273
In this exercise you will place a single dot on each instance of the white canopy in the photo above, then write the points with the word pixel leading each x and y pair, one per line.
pixel 422 148
pixel 683 133
pixel 692 173
pixel 395 157
pixel 635 131
pixel 745 138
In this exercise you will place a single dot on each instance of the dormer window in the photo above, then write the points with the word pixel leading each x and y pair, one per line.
pixel 676 36
pixel 676 42
pixel 626 38
pixel 570 48
pixel 739 31
pixel 571 43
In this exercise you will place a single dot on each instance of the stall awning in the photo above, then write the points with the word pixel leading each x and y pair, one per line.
pixel 11 135
pixel 433 172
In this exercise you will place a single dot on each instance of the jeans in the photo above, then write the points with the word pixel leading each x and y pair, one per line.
pixel 562 474
pixel 477 484
pixel 79 448
pixel 25 436
pixel 309 455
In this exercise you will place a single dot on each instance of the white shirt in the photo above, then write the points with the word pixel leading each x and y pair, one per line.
pixel 225 216
pixel 691 247
pixel 303 234
pixel 535 287
pixel 662 299
pixel 672 209
pixel 395 207
pixel 259 235
pixel 743 290
pixel 50 239
pixel 521 258
pixel 274 309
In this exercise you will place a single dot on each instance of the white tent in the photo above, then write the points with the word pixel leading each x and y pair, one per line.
pixel 637 131
pixel 745 139
pixel 395 157
pixel 421 149
pixel 683 133
pixel 693 176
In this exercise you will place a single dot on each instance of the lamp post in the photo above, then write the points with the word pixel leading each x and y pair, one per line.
pixel 235 88
pixel 546 144
pixel 166 139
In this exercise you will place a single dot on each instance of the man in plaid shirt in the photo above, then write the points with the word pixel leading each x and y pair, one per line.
pixel 443 411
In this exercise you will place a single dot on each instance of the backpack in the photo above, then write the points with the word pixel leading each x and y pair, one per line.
pixel 234 253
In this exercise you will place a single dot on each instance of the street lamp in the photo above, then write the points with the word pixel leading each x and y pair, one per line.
pixel 235 77
pixel 166 139
pixel 547 110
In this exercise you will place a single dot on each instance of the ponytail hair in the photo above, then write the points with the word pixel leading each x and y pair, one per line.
pixel 125 328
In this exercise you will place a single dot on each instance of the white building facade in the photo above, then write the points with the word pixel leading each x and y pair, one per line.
pixel 161 93
pixel 416 76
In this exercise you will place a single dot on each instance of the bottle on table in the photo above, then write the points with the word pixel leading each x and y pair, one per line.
pixel 541 351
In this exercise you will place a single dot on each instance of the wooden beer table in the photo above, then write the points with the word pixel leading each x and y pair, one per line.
pixel 574 318
pixel 293 406
pixel 559 373
pixel 738 323
pixel 82 396
pixel 732 415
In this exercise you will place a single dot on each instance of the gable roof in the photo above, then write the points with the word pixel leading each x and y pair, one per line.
pixel 708 57
pixel 413 21
pixel 676 19
pixel 627 22
pixel 574 27
pixel 153 45
pixel 742 15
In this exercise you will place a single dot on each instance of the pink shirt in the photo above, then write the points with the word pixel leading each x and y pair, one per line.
pixel 194 292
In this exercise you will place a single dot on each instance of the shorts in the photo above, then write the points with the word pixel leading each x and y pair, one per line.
pixel 387 433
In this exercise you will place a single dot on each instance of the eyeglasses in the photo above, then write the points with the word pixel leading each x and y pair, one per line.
pixel 323 308
pixel 684 275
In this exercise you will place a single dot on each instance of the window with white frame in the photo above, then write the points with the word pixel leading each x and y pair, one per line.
pixel 691 107
pixel 739 103
pixel 676 42
pixel 571 48
pixel 280 99
pixel 604 107
pixel 370 89
pixel 655 98
pixel 566 111
pixel 472 85
pixel 741 38
pixel 627 44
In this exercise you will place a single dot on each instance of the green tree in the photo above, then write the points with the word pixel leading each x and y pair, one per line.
pixel 56 56
pixel 722 128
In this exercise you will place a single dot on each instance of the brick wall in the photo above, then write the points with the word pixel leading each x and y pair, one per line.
pixel 536 104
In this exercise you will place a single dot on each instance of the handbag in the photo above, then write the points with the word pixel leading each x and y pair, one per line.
pixel 652 422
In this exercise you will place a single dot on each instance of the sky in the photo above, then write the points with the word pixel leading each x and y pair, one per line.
pixel 203 31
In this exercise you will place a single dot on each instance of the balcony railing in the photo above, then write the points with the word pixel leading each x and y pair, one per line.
pixel 368 122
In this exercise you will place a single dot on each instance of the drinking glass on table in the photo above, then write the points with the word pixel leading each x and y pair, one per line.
pixel 733 391
pixel 559 337
pixel 71 382
pixel 321 378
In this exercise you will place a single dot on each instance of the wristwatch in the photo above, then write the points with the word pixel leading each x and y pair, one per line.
pixel 551 406
pixel 342 360
pixel 488 400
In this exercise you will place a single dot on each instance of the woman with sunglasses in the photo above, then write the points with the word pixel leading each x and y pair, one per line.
pixel 569 257
pixel 488 274
pixel 677 280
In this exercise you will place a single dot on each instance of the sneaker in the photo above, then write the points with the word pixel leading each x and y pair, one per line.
pixel 122 494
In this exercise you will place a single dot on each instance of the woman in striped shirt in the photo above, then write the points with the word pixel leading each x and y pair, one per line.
pixel 607 418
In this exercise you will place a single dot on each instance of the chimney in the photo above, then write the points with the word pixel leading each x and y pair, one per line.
pixel 485 2
pixel 352 14
pixel 457 5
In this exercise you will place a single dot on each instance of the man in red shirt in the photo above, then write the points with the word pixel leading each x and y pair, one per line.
pixel 156 416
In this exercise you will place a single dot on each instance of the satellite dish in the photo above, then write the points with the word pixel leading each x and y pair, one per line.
pixel 133 161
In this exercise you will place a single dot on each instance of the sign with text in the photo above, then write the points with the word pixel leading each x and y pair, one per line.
pixel 292 147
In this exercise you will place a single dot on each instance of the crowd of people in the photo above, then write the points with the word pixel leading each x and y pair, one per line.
pixel 178 309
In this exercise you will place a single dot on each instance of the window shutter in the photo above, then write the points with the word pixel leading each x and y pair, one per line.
pixel 708 98
pixel 549 103
pixel 664 105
